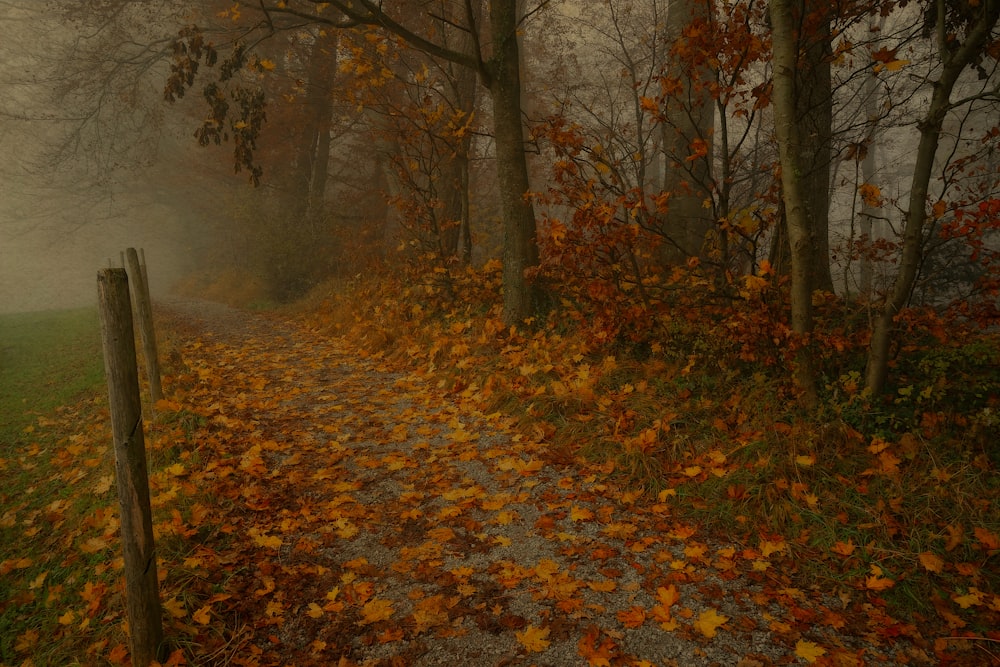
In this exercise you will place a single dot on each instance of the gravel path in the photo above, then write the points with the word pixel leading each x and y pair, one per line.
pixel 392 523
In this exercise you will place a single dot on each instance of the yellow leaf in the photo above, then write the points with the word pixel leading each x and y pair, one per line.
pixel 204 615
pixel 376 610
pixel 844 548
pixel 973 598
pixel 876 583
pixel 93 545
pixel 67 618
pixel 667 596
pixel 709 621
pixel 809 651
pixel 633 617
pixel 314 610
pixel 38 581
pixel 805 460
pixel 534 639
pixel 870 194
pixel 175 608
pixel 265 540
pixel 103 484
pixel 931 562
pixel 25 642
pixel 767 548
pixel 605 586
pixel 267 64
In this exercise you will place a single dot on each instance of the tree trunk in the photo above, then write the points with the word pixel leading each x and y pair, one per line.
pixel 689 117
pixel 954 62
pixel 322 78
pixel 797 214
pixel 814 109
pixel 520 298
pixel 455 173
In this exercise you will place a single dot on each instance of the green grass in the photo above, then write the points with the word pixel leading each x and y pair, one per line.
pixel 52 448
pixel 47 359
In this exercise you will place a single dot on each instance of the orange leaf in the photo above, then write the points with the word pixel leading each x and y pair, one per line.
pixel 175 608
pixel 534 639
pixel 667 596
pixel 767 548
pixel 709 621
pixel 931 562
pixel 876 583
pixel 26 641
pixel 118 655
pixel 633 617
pixel 596 654
pixel 973 598
pixel 605 586
pixel 376 610
pixel 204 615
pixel 809 651
pixel 987 539
pixel 844 548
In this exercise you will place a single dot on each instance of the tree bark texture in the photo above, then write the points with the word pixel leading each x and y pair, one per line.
pixel 796 212
pixel 814 111
pixel 520 252
pixel 689 117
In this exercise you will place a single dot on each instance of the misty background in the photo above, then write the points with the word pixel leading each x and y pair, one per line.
pixel 94 160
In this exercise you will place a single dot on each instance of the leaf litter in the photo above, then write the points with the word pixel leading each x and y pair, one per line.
pixel 335 511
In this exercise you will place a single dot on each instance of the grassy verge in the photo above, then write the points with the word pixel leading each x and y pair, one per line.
pixel 46 360
pixel 56 505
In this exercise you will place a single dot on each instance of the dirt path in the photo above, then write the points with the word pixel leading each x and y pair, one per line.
pixel 363 516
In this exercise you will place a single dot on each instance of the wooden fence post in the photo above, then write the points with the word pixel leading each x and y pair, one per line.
pixel 140 293
pixel 142 598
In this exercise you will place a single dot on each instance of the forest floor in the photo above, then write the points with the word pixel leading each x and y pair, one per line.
pixel 320 508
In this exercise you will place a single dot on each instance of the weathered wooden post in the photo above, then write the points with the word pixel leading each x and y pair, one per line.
pixel 140 293
pixel 142 598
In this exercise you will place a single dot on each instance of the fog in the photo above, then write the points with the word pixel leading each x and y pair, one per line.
pixel 94 160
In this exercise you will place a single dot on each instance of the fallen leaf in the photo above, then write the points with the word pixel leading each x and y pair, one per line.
pixel 204 615
pixel 931 562
pixel 876 583
pixel 534 639
pixel 376 610
pixel 596 650
pixel 988 539
pixel 709 621
pixel 633 617
pixel 844 548
pixel 809 651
